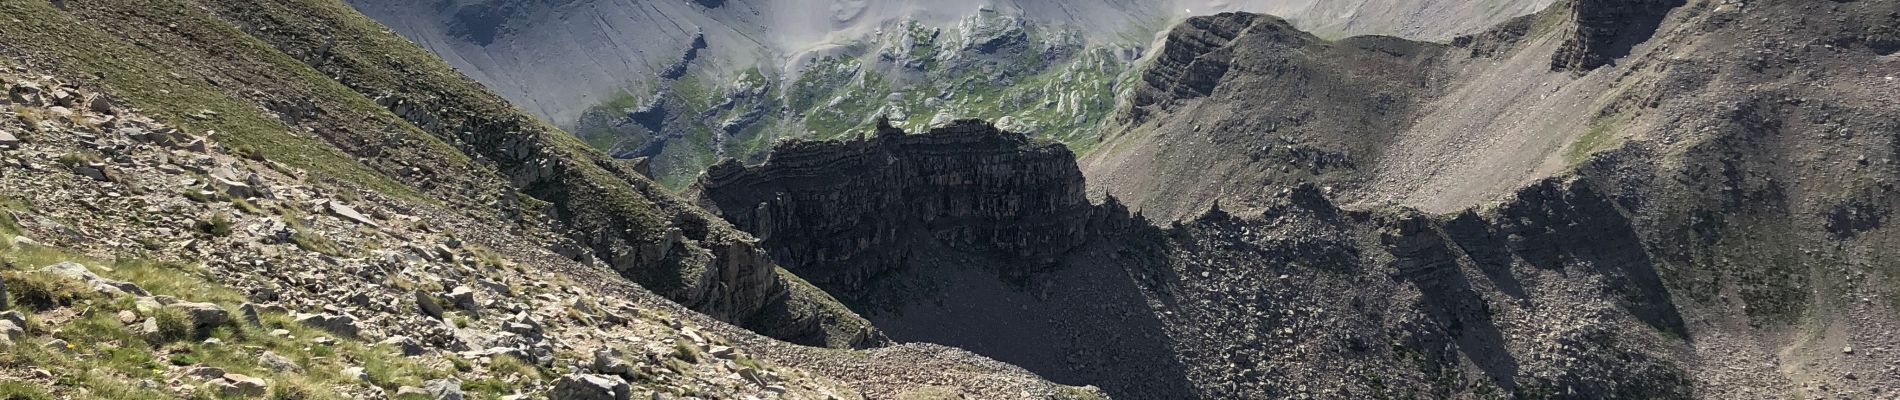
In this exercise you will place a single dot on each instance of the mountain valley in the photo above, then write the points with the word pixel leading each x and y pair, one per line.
pixel 885 199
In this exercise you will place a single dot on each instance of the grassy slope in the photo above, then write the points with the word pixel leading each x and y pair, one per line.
pixel 49 38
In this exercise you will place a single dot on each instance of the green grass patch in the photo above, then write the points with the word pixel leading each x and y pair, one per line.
pixel 1603 135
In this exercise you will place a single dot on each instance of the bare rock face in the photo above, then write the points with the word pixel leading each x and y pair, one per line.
pixel 843 213
pixel 1193 59
pixel 1607 30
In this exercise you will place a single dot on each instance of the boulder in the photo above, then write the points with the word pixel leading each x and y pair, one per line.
pixel 75 271
pixel 278 363
pixel 591 387
pixel 408 347
pixel 240 385
pixel 428 305
pixel 204 316
pixel 26 93
pixel 444 389
pixel 249 312
pixel 10 331
pixel 205 372
pixel 608 361
pixel 342 325
pixel 15 317
pixel 348 213
pixel 464 298
pixel 7 140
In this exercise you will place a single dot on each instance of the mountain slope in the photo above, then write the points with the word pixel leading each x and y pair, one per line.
pixel 302 158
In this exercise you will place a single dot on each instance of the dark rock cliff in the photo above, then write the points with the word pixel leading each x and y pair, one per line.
pixel 1605 30
pixel 844 213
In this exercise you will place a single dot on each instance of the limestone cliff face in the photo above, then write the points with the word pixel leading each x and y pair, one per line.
pixel 1605 30
pixel 843 213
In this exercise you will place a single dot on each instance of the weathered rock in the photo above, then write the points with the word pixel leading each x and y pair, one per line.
pixel 464 298
pixel 342 325
pixel 26 93
pixel 101 284
pixel 591 387
pixel 7 140
pixel 10 330
pixel 14 317
pixel 203 316
pixel 205 372
pixel 427 305
pixel 278 363
pixel 1607 30
pixel 249 313
pixel 403 344
pixel 349 213
pixel 240 385
pixel 608 361
pixel 444 389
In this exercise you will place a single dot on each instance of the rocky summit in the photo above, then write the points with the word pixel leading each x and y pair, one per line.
pixel 922 199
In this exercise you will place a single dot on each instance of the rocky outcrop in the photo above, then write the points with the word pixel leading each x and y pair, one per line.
pixel 1193 59
pixel 1604 30
pixel 843 213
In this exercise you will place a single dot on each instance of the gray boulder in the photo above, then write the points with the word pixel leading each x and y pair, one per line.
pixel 591 387
pixel 444 389
pixel 98 283
pixel 204 316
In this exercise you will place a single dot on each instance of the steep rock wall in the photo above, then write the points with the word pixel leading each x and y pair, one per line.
pixel 844 213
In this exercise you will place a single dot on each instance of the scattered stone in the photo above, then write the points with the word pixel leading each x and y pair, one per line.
pixel 277 362
pixel 345 212
pixel 724 352
pixel 17 318
pixel 408 347
pixel 240 385
pixel 205 372
pixel 60 345
pixel 10 331
pixel 204 316
pixel 342 325
pixel 76 271
pixel 591 387
pixel 357 373
pixel 428 305
pixel 608 361
pixel 248 312
pixel 464 298
pixel 444 389
pixel 8 140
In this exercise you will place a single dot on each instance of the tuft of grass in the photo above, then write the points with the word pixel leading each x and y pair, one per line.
pixel 215 224
pixel 685 351
pixel 16 390
pixel 44 291
pixel 1601 136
